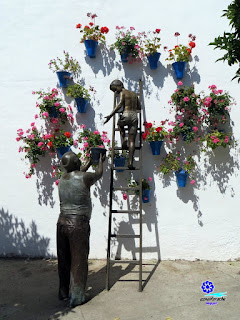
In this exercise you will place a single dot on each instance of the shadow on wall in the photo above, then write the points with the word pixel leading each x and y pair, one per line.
pixel 18 240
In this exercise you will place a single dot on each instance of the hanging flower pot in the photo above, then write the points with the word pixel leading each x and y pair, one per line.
pixel 119 162
pixel 96 154
pixel 62 150
pixel 146 195
pixel 63 78
pixel 156 147
pixel 91 46
pixel 81 104
pixel 153 60
pixel 182 176
pixel 179 68
pixel 125 55
pixel 53 112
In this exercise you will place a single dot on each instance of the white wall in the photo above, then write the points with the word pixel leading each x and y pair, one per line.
pixel 201 222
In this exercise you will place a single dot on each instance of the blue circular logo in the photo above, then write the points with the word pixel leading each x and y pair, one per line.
pixel 207 286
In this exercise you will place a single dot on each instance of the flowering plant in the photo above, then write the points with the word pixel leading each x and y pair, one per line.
pixel 151 41
pixel 128 43
pixel 134 184
pixel 118 154
pixel 216 106
pixel 216 139
pixel 181 52
pixel 78 91
pixel 153 133
pixel 47 101
pixel 172 162
pixel 92 31
pixel 59 139
pixel 188 130
pixel 68 64
pixel 34 146
pixel 91 139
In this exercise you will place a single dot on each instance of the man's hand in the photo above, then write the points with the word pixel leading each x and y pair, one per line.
pixel 107 119
pixel 102 157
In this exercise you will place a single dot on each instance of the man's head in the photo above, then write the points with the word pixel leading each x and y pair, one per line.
pixel 116 86
pixel 70 161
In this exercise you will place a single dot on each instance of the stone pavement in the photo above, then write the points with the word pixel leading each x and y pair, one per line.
pixel 172 290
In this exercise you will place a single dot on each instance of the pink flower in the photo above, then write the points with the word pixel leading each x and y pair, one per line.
pixel 45 114
pixel 28 176
pixel 57 182
pixel 212 87
pixel 18 138
pixel 62 110
pixel 125 196
pixel 192 181
pixel 36 116
pixel 57 104
pixel 34 128
pixel 33 165
pixel 176 90
pixel 220 91
pixel 170 130
pixel 96 132
pixel 85 144
pixel 75 142
pixel 181 125
pixel 40 144
pixel 195 129
pixel 46 98
pixel 149 179
pixel 69 108
pixel 226 140
pixel 33 92
pixel 186 99
pixel 132 28
pixel 180 83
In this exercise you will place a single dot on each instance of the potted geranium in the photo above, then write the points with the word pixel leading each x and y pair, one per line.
pixel 61 141
pixel 216 139
pixel 155 136
pixel 128 45
pixel 81 96
pixel 91 35
pixel 65 68
pixel 183 169
pixel 51 105
pixel 146 188
pixel 151 44
pixel 188 130
pixel 216 107
pixel 34 146
pixel 93 143
pixel 181 55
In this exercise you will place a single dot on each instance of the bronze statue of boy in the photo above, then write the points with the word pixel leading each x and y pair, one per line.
pixel 73 227
pixel 130 103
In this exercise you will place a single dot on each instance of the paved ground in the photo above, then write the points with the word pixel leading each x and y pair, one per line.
pixel 28 290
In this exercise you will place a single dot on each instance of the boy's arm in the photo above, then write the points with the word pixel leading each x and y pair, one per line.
pixel 116 108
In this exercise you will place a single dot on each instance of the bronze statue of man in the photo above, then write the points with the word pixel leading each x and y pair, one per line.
pixel 73 228
pixel 130 103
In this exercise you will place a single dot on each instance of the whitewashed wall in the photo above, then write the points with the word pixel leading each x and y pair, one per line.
pixel 201 222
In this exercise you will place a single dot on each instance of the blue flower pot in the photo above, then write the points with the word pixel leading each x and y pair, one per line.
pixel 153 60
pixel 156 147
pixel 53 112
pixel 63 82
pixel 81 104
pixel 96 154
pixel 182 177
pixel 91 46
pixel 179 68
pixel 62 150
pixel 146 196
pixel 125 55
pixel 119 162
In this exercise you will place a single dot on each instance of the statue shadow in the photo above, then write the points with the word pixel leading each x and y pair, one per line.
pixel 104 61
pixel 18 240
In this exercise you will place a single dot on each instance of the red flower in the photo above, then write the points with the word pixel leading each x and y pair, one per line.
pixel 148 125
pixel 91 24
pixel 157 30
pixel 144 135
pixel 104 30
pixel 189 51
pixel 177 34
pixel 159 129
pixel 176 47
pixel 78 26
pixel 67 134
pixel 192 44
pixel 50 144
pixel 86 27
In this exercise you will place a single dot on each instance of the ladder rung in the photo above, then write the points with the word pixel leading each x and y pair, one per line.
pixel 116 129
pixel 124 261
pixel 125 168
pixel 120 148
pixel 126 188
pixel 126 211
pixel 125 236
